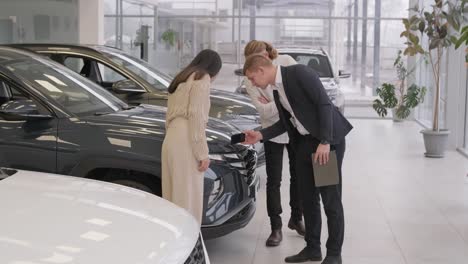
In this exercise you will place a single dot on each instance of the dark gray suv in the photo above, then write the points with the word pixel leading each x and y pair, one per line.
pixel 135 82
pixel 54 120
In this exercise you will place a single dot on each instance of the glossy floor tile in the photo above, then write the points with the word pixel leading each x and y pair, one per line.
pixel 400 207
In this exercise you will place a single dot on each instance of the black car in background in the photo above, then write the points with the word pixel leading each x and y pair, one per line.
pixel 54 120
pixel 136 82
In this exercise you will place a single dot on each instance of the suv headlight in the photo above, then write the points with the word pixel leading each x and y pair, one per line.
pixel 216 193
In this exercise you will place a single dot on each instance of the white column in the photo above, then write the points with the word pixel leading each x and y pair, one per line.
pixel 91 21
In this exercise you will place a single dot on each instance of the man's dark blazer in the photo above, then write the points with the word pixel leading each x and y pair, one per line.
pixel 311 106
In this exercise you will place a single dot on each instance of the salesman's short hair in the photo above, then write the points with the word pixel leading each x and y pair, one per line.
pixel 255 61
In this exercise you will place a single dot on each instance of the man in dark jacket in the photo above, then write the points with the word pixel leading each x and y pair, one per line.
pixel 315 127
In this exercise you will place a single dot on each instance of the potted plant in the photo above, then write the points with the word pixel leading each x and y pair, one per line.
pixel 400 100
pixel 438 29
pixel 169 37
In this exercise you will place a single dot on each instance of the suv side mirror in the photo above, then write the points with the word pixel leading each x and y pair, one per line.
pixel 343 74
pixel 242 89
pixel 127 86
pixel 22 110
pixel 239 72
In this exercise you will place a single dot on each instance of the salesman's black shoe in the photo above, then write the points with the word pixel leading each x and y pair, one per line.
pixel 303 256
pixel 332 260
pixel 298 226
pixel 275 238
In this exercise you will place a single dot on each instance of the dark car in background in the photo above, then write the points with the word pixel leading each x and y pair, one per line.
pixel 54 120
pixel 136 82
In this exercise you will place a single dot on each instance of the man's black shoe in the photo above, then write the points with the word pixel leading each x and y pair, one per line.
pixel 298 226
pixel 332 260
pixel 303 256
pixel 275 238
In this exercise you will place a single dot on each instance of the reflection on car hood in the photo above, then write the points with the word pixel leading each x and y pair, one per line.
pixel 229 106
pixel 62 219
pixel 150 120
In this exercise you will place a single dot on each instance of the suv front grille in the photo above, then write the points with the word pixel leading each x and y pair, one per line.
pixel 198 254
pixel 249 158
pixel 245 161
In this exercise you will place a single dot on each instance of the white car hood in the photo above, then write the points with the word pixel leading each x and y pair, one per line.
pixel 48 218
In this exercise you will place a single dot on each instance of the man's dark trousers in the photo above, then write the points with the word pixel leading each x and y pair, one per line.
pixel 331 197
pixel 274 169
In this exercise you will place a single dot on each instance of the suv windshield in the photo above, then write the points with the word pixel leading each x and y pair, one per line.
pixel 317 62
pixel 75 93
pixel 139 67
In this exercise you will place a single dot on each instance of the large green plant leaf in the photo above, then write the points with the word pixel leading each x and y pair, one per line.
pixel 428 16
pixel 422 26
pixel 463 39
pixel 406 23
pixel 403 112
pixel 414 39
pixel 442 30
pixel 414 96
pixel 379 108
pixel 387 93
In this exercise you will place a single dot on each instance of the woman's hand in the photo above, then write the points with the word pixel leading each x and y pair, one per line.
pixel 203 165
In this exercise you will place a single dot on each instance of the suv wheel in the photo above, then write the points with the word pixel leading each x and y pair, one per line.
pixel 134 179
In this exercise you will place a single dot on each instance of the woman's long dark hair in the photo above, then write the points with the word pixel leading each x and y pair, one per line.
pixel 206 62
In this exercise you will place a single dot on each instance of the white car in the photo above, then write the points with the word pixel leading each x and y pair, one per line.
pixel 49 218
pixel 320 62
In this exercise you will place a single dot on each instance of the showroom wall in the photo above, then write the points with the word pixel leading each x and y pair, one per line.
pixel 38 21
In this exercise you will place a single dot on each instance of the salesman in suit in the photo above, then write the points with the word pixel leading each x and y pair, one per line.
pixel 315 126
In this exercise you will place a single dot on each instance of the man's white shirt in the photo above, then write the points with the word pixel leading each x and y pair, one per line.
pixel 284 101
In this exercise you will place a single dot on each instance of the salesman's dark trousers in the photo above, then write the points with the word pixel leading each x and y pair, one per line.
pixel 274 169
pixel 331 197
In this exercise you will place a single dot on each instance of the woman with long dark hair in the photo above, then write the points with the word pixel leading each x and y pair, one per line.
pixel 185 149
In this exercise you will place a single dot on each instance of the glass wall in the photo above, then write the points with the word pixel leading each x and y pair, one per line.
pixel 38 21
pixel 356 41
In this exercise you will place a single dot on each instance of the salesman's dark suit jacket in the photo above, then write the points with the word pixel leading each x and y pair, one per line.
pixel 311 106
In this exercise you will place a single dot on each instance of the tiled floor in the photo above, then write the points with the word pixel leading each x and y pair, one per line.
pixel 400 207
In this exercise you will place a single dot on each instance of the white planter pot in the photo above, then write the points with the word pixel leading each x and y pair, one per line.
pixel 395 117
pixel 435 142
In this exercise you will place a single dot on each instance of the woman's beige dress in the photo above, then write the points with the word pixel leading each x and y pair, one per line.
pixel 185 145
